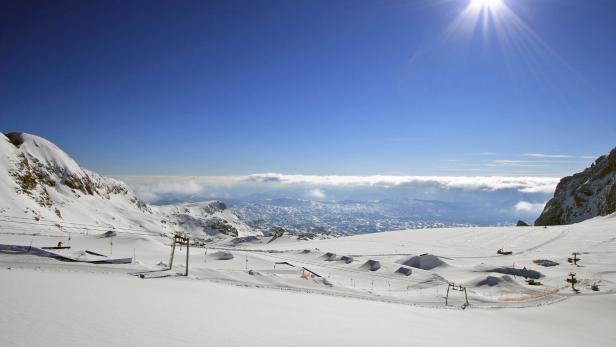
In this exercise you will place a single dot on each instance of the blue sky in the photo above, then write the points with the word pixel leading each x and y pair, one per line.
pixel 313 87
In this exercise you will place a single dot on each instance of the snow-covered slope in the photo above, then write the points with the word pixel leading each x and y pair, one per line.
pixel 261 293
pixel 584 195
pixel 41 184
pixel 211 217
pixel 385 289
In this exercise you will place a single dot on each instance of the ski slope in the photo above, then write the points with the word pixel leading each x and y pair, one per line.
pixel 259 297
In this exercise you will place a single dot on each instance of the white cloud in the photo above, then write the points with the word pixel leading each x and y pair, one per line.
pixel 486 183
pixel 157 189
pixel 542 155
pixel 529 163
pixel 529 207
pixel 506 161
pixel 316 193
pixel 482 154
pixel 517 163
pixel 558 156
pixel 151 189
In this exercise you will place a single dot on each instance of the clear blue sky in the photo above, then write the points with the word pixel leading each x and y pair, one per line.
pixel 314 87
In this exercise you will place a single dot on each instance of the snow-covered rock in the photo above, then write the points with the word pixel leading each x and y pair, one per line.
pixel 584 195
pixel 211 217
pixel 40 183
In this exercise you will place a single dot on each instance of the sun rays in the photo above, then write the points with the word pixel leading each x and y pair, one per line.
pixel 494 25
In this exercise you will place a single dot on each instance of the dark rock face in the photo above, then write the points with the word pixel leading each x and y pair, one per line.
pixel 15 138
pixel 522 223
pixel 214 206
pixel 584 195
pixel 277 231
pixel 222 226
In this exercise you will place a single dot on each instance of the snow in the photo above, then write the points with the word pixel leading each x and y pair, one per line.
pixel 112 310
pixel 47 152
pixel 113 205
pixel 222 303
pixel 195 215
pixel 284 291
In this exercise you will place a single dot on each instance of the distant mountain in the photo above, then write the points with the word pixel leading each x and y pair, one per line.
pixel 41 185
pixel 584 195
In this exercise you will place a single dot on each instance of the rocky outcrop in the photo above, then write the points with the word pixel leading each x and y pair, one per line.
pixel 209 217
pixel 214 206
pixel 40 181
pixel 222 226
pixel 584 195
pixel 522 223
pixel 40 169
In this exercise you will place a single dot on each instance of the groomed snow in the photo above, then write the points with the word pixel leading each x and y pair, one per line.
pixel 260 298
pixel 80 309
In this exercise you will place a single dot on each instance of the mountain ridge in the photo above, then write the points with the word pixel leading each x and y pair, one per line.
pixel 584 195
pixel 39 181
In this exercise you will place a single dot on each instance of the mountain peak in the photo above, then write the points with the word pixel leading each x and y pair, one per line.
pixel 584 195
pixel 15 138
pixel 39 149
pixel 39 180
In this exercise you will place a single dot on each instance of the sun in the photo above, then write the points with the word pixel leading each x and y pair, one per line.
pixel 486 4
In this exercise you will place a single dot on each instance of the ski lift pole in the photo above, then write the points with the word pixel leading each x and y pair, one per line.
pixel 466 296
pixel 187 251
pixel 172 253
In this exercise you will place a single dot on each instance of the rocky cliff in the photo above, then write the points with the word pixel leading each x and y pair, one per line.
pixel 584 195
pixel 41 186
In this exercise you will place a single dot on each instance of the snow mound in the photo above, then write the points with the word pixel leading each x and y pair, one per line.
pixel 222 255
pixel 493 281
pixel 371 265
pixel 246 239
pixel 347 259
pixel 524 272
pixel 329 256
pixel 503 288
pixel 424 262
pixel 404 271
pixel 545 262
pixel 109 233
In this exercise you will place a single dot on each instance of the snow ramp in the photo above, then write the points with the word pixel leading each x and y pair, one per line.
pixel 424 262
pixel 35 251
